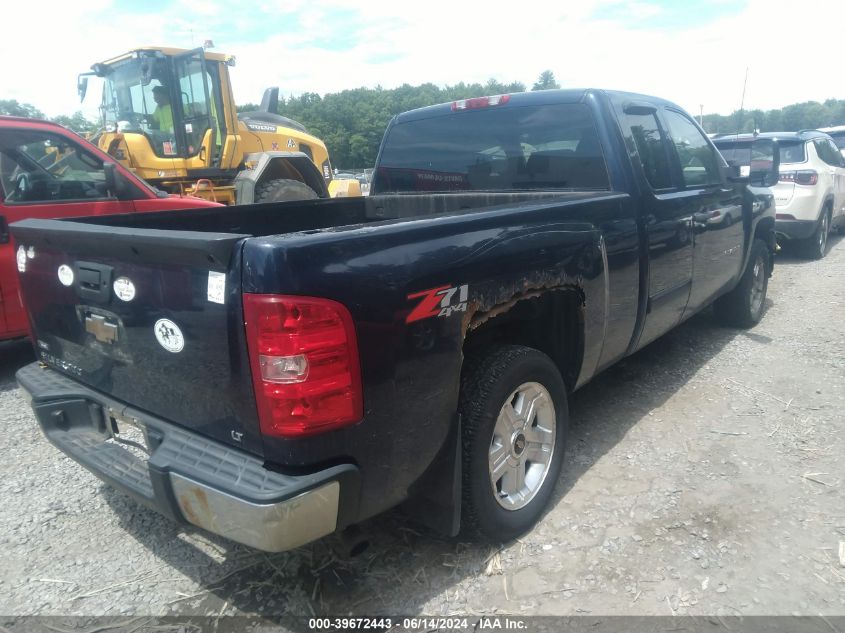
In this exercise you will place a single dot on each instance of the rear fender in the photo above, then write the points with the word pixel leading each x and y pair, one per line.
pixel 585 275
pixel 492 314
pixel 272 165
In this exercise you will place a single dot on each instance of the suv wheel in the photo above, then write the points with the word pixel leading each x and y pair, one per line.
pixel 514 416
pixel 815 247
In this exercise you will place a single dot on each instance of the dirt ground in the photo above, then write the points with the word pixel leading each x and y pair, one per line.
pixel 703 476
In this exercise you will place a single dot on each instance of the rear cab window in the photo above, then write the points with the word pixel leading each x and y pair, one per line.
pixel 500 148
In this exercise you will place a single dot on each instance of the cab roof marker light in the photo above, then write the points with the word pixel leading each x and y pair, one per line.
pixel 480 102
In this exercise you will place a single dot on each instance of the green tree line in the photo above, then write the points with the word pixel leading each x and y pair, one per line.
pixel 76 122
pixel 798 116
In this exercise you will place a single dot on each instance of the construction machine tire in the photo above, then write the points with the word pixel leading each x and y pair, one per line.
pixel 283 190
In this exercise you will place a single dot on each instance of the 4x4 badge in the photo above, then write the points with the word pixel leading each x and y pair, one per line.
pixel 442 301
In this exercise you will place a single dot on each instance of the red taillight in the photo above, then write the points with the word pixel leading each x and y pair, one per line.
pixel 480 102
pixel 305 369
pixel 800 177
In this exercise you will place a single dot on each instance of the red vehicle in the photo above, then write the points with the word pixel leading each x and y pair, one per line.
pixel 47 171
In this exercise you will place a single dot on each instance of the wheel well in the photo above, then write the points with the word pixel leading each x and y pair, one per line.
pixel 552 323
pixel 291 168
pixel 765 230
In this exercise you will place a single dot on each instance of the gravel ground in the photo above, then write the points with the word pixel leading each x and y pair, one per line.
pixel 702 478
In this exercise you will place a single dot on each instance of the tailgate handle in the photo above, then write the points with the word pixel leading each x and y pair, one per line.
pixel 93 281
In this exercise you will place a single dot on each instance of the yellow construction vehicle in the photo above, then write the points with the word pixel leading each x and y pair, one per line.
pixel 169 115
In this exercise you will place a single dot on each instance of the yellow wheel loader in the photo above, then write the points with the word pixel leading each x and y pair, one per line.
pixel 169 115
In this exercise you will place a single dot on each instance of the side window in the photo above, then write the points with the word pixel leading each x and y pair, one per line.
pixel 821 150
pixel 835 154
pixel 651 147
pixel 827 152
pixel 699 162
pixel 43 167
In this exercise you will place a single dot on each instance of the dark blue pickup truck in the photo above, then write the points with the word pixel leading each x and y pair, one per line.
pixel 274 373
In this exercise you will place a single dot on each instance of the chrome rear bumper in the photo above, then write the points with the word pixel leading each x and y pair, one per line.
pixel 187 476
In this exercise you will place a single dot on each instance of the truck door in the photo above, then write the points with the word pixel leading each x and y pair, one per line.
pixel 666 215
pixel 715 205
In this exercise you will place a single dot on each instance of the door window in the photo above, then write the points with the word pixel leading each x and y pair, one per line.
pixel 199 109
pixel 38 166
pixel 699 161
pixel 651 147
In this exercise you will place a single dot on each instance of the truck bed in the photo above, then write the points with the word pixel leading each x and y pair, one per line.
pixel 290 217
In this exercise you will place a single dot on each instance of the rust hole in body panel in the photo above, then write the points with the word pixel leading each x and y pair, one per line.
pixel 480 311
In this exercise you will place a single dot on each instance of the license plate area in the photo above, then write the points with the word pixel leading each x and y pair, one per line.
pixel 129 434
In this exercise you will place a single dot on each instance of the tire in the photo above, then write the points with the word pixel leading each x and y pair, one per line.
pixel 815 247
pixel 743 306
pixel 282 190
pixel 497 384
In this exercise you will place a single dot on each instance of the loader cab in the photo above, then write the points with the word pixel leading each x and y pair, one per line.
pixel 174 101
pixel 169 115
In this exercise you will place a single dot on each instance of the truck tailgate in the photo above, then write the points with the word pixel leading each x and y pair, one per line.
pixel 152 318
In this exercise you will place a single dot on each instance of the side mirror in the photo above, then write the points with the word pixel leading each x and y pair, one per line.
pixel 81 87
pixel 765 163
pixel 115 185
pixel 4 230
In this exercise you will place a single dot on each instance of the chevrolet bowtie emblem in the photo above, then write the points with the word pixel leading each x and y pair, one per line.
pixel 103 330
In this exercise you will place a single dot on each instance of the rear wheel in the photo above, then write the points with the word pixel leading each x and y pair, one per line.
pixel 743 306
pixel 815 246
pixel 282 190
pixel 514 415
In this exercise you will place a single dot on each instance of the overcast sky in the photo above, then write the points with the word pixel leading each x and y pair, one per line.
pixel 693 53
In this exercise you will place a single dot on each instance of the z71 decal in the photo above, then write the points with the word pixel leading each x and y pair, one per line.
pixel 438 302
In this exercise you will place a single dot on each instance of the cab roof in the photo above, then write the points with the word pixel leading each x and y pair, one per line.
pixel 540 97
pixel 169 51
pixel 7 118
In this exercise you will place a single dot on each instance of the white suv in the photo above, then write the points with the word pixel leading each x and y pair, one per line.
pixel 810 194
